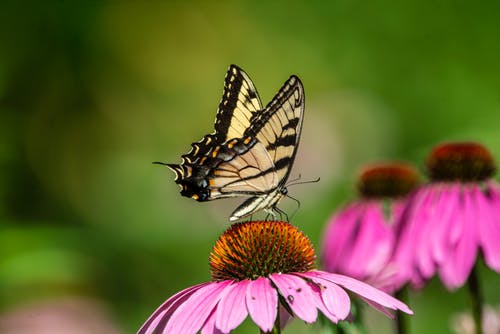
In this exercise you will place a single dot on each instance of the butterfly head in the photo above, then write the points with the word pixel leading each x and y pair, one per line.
pixel 284 191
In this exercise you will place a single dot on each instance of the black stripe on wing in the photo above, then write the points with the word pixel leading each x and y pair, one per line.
pixel 279 125
pixel 240 101
pixel 292 93
pixel 200 149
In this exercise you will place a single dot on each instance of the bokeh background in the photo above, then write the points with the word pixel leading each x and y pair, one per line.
pixel 96 237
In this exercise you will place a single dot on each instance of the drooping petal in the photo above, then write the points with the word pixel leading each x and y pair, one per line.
pixel 363 290
pixel 284 316
pixel 407 235
pixel 426 219
pixel 454 271
pixel 262 303
pixel 386 279
pixel 379 308
pixel 489 230
pixel 456 229
pixel 209 326
pixel 232 309
pixel 397 209
pixel 297 295
pixel 446 208
pixel 335 299
pixel 338 236
pixel 165 310
pixel 372 244
pixel 320 304
pixel 192 314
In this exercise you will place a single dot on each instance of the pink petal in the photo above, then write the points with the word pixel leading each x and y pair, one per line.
pixel 209 326
pixel 456 229
pixel 397 209
pixel 363 290
pixel 456 269
pixel 379 308
pixel 386 279
pixel 338 236
pixel 335 299
pixel 372 246
pixel 164 312
pixel 232 309
pixel 262 303
pixel 489 229
pixel 192 314
pixel 408 232
pixel 284 316
pixel 297 295
pixel 427 219
pixel 320 304
pixel 446 208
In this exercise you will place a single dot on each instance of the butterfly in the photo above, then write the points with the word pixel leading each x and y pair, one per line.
pixel 252 150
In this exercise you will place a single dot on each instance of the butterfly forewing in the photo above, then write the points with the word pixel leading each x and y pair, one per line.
pixel 279 125
pixel 240 101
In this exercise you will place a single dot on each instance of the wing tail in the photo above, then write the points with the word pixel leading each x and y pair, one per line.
pixel 177 169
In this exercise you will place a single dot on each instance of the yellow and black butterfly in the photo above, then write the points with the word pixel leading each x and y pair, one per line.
pixel 252 150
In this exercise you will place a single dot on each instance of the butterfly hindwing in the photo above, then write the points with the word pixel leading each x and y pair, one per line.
pixel 248 173
pixel 239 167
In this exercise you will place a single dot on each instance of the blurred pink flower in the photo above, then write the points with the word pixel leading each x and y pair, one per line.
pixel 359 239
pixel 262 269
pixel 451 219
pixel 463 323
pixel 75 315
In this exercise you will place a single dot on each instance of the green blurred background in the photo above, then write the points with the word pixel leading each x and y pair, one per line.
pixel 92 93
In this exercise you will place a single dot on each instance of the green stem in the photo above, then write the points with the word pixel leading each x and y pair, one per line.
pixel 360 318
pixel 401 319
pixel 341 330
pixel 476 299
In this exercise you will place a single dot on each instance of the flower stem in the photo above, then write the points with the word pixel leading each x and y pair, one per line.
pixel 401 319
pixel 476 299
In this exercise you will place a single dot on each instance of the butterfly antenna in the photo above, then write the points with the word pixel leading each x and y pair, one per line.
pixel 293 183
pixel 296 179
pixel 159 163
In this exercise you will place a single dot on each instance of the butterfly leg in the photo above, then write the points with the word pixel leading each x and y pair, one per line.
pixel 270 214
pixel 281 213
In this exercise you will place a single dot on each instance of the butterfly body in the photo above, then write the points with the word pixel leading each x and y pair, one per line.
pixel 252 150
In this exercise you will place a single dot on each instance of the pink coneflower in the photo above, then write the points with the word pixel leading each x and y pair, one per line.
pixel 359 238
pixel 265 270
pixel 452 218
